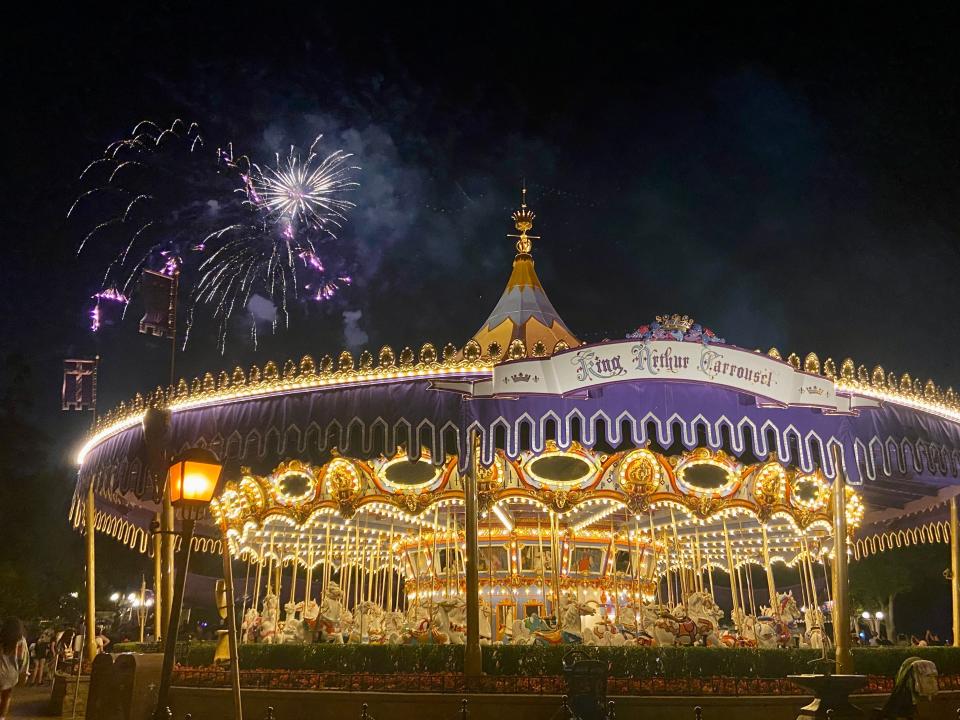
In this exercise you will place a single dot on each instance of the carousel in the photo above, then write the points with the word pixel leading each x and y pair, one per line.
pixel 528 488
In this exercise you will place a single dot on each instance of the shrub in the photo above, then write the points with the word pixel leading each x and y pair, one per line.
pixel 530 660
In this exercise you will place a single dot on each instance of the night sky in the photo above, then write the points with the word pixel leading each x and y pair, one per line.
pixel 789 178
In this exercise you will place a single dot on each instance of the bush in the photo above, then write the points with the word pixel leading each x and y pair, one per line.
pixel 530 660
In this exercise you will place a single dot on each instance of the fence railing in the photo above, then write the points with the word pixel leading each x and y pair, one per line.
pixel 564 712
pixel 456 683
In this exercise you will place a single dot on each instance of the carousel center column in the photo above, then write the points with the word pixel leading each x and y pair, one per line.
pixel 472 662
pixel 841 609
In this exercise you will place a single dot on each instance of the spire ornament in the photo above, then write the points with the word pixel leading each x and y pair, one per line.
pixel 523 222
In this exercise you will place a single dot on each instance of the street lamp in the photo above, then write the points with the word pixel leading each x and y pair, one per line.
pixel 193 477
pixel 115 598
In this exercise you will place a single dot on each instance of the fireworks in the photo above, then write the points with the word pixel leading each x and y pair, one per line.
pixel 236 231
pixel 146 201
pixel 301 192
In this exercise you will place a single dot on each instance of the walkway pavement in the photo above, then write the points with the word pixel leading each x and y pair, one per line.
pixel 30 702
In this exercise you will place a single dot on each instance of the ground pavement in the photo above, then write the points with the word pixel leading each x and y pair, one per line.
pixel 30 702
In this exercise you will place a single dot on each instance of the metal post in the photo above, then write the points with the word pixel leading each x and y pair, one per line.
pixel 841 608
pixel 955 570
pixel 170 641
pixel 472 663
pixel 91 523
pixel 157 583
pixel 168 544
pixel 232 630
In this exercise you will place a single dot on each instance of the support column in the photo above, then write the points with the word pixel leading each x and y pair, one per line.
pixel 91 524
pixel 472 664
pixel 168 543
pixel 841 607
pixel 232 630
pixel 157 584
pixel 955 570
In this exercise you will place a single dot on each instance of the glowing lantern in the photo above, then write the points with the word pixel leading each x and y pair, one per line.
pixel 193 478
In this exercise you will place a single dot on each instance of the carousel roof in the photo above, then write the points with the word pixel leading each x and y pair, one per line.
pixel 524 312
pixel 524 381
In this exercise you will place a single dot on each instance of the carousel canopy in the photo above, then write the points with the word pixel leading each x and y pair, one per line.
pixel 524 384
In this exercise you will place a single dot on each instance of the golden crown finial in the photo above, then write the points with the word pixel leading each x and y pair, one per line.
pixel 523 222
pixel 675 322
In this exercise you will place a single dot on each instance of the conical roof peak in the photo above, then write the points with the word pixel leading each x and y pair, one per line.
pixel 524 312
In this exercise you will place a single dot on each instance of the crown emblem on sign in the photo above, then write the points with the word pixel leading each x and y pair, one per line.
pixel 675 322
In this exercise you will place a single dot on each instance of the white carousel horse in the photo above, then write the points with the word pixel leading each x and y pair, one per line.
pixel 815 635
pixel 569 628
pixel 269 619
pixel 775 629
pixel 692 624
pixel 604 632
pixel 294 629
pixel 434 629
pixel 457 615
pixel 311 611
pixel 394 624
pixel 370 624
pixel 331 615
pixel 250 625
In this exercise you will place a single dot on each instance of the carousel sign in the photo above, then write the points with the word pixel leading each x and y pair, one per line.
pixel 573 371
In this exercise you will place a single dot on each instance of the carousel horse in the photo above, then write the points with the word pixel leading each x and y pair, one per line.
pixel 694 623
pixel 815 635
pixel 250 625
pixel 432 630
pixel 370 620
pixel 294 629
pixel 569 628
pixel 522 631
pixel 604 632
pixel 457 615
pixel 311 611
pixel 269 619
pixel 744 634
pixel 332 616
pixel 486 622
pixel 394 624
pixel 775 629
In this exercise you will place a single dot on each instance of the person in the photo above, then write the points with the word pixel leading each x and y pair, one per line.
pixel 102 641
pixel 62 649
pixel 14 660
pixel 932 638
pixel 43 653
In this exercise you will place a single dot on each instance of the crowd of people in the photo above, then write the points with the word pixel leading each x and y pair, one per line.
pixel 35 660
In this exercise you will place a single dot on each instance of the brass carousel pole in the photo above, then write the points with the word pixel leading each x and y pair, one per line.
pixel 841 608
pixel 955 569
pixel 666 561
pixel 771 586
pixel 656 559
pixel 390 573
pixel 731 569
pixel 472 661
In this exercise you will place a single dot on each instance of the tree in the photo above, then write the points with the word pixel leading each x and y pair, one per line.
pixel 877 580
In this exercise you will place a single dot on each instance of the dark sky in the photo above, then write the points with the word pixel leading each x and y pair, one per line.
pixel 788 177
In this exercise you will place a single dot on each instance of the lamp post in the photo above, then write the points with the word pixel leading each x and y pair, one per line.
pixel 191 482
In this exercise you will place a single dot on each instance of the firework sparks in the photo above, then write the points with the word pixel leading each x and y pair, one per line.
pixel 276 253
pixel 303 192
pixel 233 229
